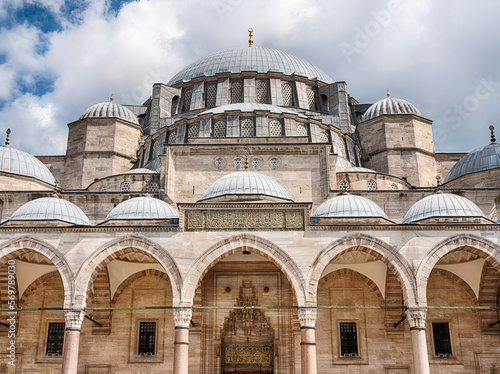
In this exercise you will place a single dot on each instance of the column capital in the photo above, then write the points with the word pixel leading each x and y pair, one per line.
pixel 74 319
pixel 307 316
pixel 182 316
pixel 417 317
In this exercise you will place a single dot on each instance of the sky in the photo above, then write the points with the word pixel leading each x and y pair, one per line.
pixel 59 57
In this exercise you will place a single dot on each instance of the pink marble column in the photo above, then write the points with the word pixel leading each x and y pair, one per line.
pixel 416 318
pixel 307 319
pixel 74 319
pixel 182 318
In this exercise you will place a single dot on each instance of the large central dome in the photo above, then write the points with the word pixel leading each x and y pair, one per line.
pixel 259 59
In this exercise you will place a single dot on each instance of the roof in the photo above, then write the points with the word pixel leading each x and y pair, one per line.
pixel 246 183
pixel 347 205
pixel 48 209
pixel 442 205
pixel 109 110
pixel 484 158
pixel 21 163
pixel 251 107
pixel 390 106
pixel 142 208
pixel 259 59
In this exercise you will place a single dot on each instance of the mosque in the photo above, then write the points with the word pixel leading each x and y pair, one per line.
pixel 250 217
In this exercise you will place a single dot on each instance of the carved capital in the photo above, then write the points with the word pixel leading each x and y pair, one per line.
pixel 416 317
pixel 182 317
pixel 307 317
pixel 74 319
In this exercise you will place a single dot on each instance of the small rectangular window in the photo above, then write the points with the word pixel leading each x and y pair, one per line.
pixel 348 339
pixel 147 338
pixel 55 339
pixel 442 340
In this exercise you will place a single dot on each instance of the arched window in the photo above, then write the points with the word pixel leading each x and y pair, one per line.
pixel 287 93
pixel 210 95
pixel 275 128
pixel 262 91
pixel 188 93
pixel 236 91
pixel 173 108
pixel 247 128
pixel 311 98
pixel 194 131
pixel 219 129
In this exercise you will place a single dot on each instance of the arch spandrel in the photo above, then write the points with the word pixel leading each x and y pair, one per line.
pixel 110 251
pixel 468 242
pixel 18 246
pixel 231 245
pixel 368 244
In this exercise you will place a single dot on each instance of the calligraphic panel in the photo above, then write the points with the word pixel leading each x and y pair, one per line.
pixel 237 355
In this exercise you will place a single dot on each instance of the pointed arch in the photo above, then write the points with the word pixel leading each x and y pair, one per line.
pixel 236 243
pixel 25 244
pixel 127 244
pixel 368 244
pixel 474 244
pixel 127 282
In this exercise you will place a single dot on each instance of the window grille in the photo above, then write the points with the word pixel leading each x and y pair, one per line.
pixel 341 147
pixel 125 187
pixel 442 340
pixel 219 129
pixel 156 147
pixel 262 91
pixel 194 131
pixel 219 163
pixel 394 186
pixel 275 128
pixel 188 94
pixel 371 185
pixel 172 137
pixel 311 98
pixel 247 128
pixel 323 137
pixel 287 92
pixel 236 91
pixel 348 339
pixel 238 162
pixel 153 187
pixel 147 338
pixel 211 95
pixel 103 189
pixel 301 129
pixel 173 108
pixel 343 185
pixel 256 163
pixel 274 162
pixel 55 339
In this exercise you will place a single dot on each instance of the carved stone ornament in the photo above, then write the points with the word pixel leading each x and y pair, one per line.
pixel 182 317
pixel 74 319
pixel 307 317
pixel 416 317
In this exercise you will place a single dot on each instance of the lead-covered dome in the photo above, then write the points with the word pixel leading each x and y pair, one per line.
pixel 50 209
pixel 390 106
pixel 109 110
pixel 349 206
pixel 21 163
pixel 442 205
pixel 142 208
pixel 258 59
pixel 246 183
pixel 484 158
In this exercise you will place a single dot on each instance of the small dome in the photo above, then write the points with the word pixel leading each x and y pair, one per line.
pixel 21 163
pixel 484 158
pixel 348 206
pixel 390 106
pixel 259 59
pixel 50 209
pixel 442 205
pixel 142 208
pixel 109 110
pixel 246 183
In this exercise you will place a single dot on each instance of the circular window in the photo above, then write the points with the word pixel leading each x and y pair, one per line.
pixel 343 185
pixel 125 187
pixel 219 163
pixel 394 186
pixel 274 162
pixel 255 162
pixel 238 162
pixel 371 185
pixel 103 189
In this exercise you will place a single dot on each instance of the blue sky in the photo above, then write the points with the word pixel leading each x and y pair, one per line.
pixel 59 57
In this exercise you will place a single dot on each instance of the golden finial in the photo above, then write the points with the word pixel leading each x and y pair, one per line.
pixel 7 139
pixel 388 93
pixel 111 98
pixel 250 41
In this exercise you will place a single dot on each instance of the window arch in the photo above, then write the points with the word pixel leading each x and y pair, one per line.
pixel 219 129
pixel 236 91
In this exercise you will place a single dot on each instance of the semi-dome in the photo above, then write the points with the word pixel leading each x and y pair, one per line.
pixel 142 208
pixel 50 209
pixel 390 106
pixel 246 183
pixel 484 158
pixel 109 110
pixel 442 205
pixel 21 163
pixel 349 206
pixel 259 59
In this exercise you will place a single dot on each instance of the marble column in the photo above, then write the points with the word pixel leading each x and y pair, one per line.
pixel 182 319
pixel 307 319
pixel 416 318
pixel 74 319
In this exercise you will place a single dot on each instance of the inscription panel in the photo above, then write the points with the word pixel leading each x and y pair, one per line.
pixel 237 355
